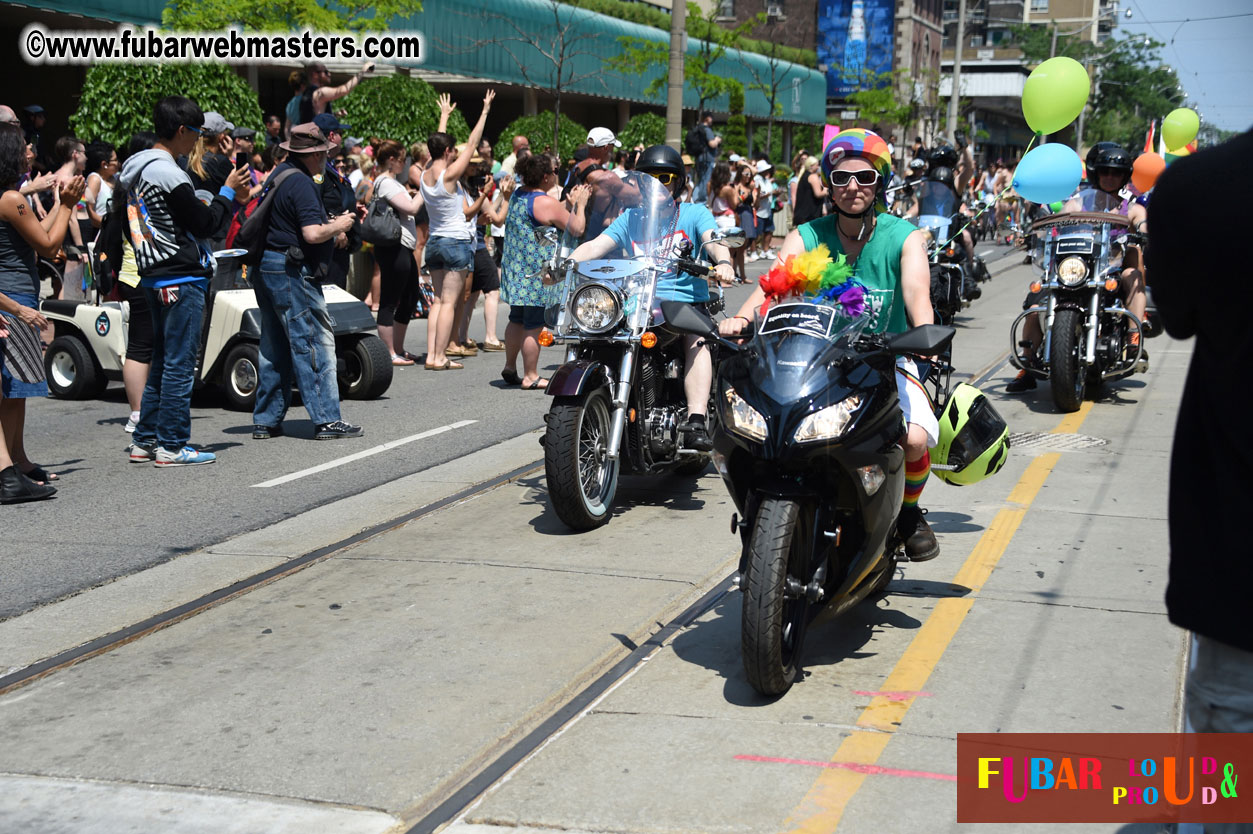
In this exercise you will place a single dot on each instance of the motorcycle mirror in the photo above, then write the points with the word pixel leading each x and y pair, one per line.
pixel 548 234
pixel 687 319
pixel 923 340
pixel 732 236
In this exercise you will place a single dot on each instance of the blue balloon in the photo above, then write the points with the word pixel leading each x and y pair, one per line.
pixel 1048 173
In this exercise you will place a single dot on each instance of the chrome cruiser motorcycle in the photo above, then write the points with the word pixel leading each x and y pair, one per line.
pixel 808 435
pixel 1086 327
pixel 618 400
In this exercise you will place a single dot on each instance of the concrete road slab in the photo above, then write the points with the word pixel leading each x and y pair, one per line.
pixel 658 774
pixel 57 806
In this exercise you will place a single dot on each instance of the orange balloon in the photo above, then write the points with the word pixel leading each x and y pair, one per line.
pixel 1147 168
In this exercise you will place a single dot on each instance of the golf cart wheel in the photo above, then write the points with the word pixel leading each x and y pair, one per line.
pixel 365 368
pixel 241 375
pixel 71 370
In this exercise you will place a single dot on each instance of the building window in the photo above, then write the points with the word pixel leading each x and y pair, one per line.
pixel 726 8
pixel 1039 6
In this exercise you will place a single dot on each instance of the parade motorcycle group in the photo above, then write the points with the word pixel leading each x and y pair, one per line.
pixel 825 401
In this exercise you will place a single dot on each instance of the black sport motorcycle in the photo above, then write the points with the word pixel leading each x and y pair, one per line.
pixel 808 435
pixel 618 400
pixel 1087 328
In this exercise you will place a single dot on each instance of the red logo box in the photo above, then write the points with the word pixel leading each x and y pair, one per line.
pixel 1104 777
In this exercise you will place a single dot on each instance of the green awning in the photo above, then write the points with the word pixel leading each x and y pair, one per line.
pixel 469 38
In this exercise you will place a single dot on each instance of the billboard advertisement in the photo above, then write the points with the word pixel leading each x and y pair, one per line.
pixel 854 40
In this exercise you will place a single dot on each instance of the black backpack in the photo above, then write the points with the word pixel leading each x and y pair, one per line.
pixel 695 142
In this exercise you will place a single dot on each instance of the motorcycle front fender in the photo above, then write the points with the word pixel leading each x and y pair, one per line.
pixel 577 377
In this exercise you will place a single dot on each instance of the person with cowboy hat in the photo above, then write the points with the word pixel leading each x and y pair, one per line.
pixel 296 338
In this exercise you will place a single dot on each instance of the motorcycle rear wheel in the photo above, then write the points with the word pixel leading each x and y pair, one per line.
pixel 774 623
pixel 582 480
pixel 1067 374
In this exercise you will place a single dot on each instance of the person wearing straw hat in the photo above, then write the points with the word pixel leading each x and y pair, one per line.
pixel 297 342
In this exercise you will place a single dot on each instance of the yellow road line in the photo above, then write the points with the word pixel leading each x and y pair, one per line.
pixel 823 806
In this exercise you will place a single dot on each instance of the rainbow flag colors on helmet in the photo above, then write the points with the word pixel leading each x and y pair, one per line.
pixel 865 144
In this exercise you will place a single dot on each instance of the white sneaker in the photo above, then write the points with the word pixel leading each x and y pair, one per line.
pixel 186 456
pixel 141 454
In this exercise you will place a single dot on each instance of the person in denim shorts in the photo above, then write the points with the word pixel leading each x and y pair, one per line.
pixel 450 249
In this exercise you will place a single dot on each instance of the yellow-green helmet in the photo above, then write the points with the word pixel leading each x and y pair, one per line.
pixel 974 439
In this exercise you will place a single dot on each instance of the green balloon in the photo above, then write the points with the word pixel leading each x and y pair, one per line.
pixel 1054 94
pixel 1179 128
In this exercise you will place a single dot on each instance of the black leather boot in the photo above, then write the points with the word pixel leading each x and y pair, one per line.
pixel 920 543
pixel 16 488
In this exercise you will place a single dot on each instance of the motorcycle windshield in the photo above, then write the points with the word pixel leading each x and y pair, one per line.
pixel 797 345
pixel 936 224
pixel 936 198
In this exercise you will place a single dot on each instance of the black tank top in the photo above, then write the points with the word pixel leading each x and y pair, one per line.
pixel 807 205
pixel 17 262
pixel 306 105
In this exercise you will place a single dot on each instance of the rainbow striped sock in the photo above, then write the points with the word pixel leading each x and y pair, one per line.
pixel 916 474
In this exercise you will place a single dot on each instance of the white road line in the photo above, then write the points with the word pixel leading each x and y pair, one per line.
pixel 331 464
pixel 985 254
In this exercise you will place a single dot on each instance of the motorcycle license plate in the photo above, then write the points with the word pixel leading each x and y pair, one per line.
pixel 1075 246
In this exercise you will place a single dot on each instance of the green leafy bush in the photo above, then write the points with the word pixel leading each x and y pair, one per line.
pixel 539 130
pixel 118 99
pixel 645 129
pixel 398 107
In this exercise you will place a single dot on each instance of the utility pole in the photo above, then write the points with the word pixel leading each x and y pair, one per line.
pixel 951 125
pixel 674 91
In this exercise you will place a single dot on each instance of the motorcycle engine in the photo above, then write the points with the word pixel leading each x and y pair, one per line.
pixel 663 430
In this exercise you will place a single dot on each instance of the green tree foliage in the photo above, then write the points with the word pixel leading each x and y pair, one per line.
pixel 735 136
pixel 645 129
pixel 645 15
pixel 643 57
pixel 537 128
pixel 286 15
pixel 398 107
pixel 807 138
pixel 118 99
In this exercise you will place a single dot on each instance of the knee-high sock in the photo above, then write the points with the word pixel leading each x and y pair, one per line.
pixel 916 474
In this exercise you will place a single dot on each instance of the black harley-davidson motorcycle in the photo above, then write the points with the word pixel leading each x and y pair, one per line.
pixel 808 435
pixel 1086 327
pixel 618 400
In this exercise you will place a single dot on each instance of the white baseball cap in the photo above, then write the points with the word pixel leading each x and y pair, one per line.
pixel 735 157
pixel 598 137
pixel 763 166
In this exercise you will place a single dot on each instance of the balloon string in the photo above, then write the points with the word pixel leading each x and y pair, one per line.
pixel 999 197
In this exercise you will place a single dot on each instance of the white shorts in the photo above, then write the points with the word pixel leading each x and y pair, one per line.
pixel 915 402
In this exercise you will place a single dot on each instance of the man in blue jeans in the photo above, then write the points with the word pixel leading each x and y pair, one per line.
pixel 168 227
pixel 296 337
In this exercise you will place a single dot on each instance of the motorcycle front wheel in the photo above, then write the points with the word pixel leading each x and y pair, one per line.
pixel 582 479
pixel 1067 374
pixel 774 619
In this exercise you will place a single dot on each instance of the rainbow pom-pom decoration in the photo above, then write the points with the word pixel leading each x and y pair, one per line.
pixel 815 275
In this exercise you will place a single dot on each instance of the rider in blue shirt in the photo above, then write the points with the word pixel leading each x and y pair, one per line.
pixel 695 225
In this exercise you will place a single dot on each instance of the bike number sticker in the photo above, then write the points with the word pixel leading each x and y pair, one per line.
pixel 803 318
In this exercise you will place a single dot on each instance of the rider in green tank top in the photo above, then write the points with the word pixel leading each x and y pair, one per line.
pixel 889 259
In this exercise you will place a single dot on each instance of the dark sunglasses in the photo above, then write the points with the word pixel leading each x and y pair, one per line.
pixel 865 177
pixel 664 177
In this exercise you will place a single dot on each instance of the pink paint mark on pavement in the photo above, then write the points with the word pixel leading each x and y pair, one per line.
pixel 892 696
pixel 874 770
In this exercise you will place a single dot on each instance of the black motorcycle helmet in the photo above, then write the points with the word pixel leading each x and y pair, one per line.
pixel 663 158
pixel 945 156
pixel 1108 156
pixel 942 174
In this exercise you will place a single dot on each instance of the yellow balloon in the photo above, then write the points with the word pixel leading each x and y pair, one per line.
pixel 1055 94
pixel 1179 128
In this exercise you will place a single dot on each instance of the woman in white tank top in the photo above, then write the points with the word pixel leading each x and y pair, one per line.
pixel 450 248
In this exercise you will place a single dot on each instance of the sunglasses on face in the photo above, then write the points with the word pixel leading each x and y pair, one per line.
pixel 866 177
pixel 195 130
pixel 664 177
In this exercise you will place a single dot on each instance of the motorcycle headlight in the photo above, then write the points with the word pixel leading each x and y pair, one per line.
pixel 829 423
pixel 741 417
pixel 1072 272
pixel 596 308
